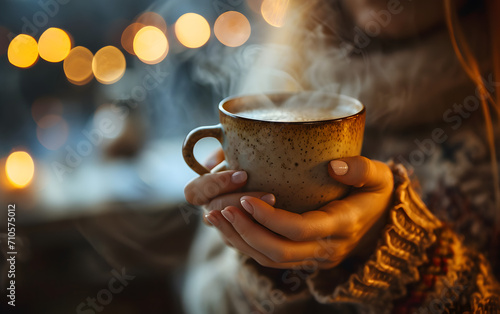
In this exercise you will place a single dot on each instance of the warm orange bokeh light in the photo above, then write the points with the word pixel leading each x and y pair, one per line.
pixel 19 169
pixel 128 36
pixel 23 51
pixel 150 45
pixel 232 29
pixel 108 65
pixel 152 19
pixel 192 30
pixel 274 11
pixel 44 106
pixel 54 45
pixel 52 131
pixel 78 66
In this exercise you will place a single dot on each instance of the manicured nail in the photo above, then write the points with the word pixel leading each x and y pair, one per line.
pixel 239 177
pixel 247 206
pixel 212 219
pixel 228 215
pixel 339 167
pixel 269 198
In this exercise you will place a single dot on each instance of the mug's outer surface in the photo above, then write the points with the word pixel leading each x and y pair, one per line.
pixel 291 160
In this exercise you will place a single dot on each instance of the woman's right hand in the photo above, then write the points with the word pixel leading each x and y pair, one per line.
pixel 216 191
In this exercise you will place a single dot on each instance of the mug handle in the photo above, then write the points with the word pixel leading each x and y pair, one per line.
pixel 192 138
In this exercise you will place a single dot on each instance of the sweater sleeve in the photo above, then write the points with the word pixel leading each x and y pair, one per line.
pixel 418 265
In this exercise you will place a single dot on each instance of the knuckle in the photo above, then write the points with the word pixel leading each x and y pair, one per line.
pixel 199 200
pixel 262 219
pixel 353 230
pixel 210 189
pixel 193 195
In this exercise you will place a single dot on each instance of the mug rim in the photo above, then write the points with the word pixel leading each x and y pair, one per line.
pixel 277 94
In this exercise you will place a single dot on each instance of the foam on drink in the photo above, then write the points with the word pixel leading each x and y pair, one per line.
pixel 312 107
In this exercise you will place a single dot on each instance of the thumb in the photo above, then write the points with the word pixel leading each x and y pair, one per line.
pixel 360 171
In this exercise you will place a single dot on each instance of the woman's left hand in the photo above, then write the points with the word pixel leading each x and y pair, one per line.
pixel 282 239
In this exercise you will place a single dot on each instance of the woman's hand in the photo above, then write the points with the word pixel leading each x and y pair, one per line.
pixel 215 191
pixel 281 239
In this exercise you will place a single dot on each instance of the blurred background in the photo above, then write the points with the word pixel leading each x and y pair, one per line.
pixel 95 100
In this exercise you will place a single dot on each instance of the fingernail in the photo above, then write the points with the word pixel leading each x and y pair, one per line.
pixel 339 167
pixel 247 206
pixel 269 198
pixel 239 177
pixel 228 215
pixel 213 219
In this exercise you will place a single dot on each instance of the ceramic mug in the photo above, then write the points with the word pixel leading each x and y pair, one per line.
pixel 285 142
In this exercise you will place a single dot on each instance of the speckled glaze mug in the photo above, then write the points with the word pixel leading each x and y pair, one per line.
pixel 287 158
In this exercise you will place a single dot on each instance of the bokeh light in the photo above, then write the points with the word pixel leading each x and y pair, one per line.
pixel 274 11
pixel 54 45
pixel 52 131
pixel 109 120
pixel 150 45
pixel 232 29
pixel 128 36
pixel 192 30
pixel 19 169
pixel 45 105
pixel 4 40
pixel 78 66
pixel 152 19
pixel 23 51
pixel 108 65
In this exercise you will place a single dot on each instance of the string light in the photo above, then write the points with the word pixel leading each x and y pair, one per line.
pixel 232 29
pixel 150 45
pixel 54 45
pixel 23 51
pixel 108 65
pixel 192 30
pixel 19 169
pixel 78 66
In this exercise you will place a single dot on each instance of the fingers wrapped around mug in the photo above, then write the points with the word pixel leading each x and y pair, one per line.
pixel 278 238
pixel 216 191
pixel 270 249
